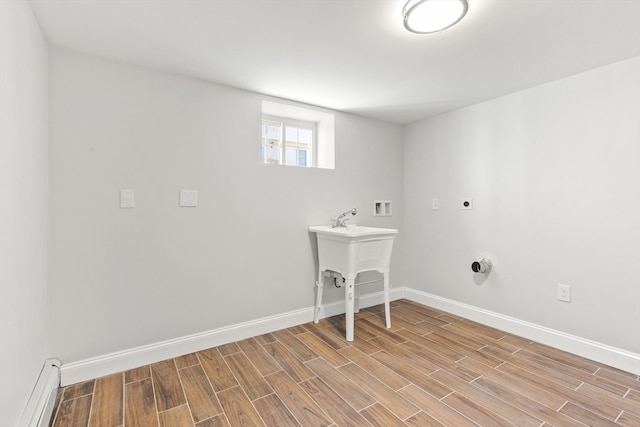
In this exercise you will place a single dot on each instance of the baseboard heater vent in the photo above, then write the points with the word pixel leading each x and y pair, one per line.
pixel 40 406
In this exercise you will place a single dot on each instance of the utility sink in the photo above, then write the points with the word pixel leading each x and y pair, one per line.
pixel 351 250
pixel 354 249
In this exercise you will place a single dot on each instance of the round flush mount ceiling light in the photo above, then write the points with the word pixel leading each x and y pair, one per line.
pixel 433 16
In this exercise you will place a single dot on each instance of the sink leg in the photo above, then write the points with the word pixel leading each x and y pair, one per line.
pixel 319 286
pixel 356 292
pixel 387 306
pixel 349 299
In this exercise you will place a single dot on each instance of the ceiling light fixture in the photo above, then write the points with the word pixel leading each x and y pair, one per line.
pixel 433 16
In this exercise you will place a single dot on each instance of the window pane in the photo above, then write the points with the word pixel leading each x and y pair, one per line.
pixel 291 134
pixel 271 142
pixel 287 142
pixel 304 135
pixel 290 157
pixel 271 154
pixel 272 131
pixel 302 158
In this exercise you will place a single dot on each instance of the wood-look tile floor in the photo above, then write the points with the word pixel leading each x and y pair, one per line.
pixel 430 369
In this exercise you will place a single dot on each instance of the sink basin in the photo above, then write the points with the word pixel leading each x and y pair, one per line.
pixel 354 249
pixel 352 231
pixel 351 250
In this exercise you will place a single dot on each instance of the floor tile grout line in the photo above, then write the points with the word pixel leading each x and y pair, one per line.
pixel 324 410
pixel 93 394
pixel 122 400
pixel 239 384
pixel 155 398
pixel 534 364
pixel 208 379
pixel 412 415
pixel 618 417
pixel 215 394
pixel 562 406
pixel 171 409
pixel 184 391
pixel 336 392
pixel 289 409
pixel 443 397
pixel 454 409
pixel 266 395
pixel 550 380
pixel 531 398
pixel 264 422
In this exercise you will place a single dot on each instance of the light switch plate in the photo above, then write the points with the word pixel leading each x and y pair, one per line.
pixel 564 292
pixel 189 198
pixel 127 199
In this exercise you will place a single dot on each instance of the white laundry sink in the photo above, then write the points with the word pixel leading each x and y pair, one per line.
pixel 351 250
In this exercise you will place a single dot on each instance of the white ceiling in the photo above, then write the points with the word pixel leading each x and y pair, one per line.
pixel 352 55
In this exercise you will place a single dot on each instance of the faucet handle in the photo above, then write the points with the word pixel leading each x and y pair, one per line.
pixel 339 222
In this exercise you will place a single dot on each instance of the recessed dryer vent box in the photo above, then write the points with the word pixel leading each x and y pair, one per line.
pixel 382 208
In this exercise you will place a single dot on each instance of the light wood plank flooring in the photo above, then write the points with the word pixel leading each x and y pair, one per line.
pixel 430 369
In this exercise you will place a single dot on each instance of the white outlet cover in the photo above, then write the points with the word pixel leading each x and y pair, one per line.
pixel 189 198
pixel 127 199
pixel 564 293
pixel 435 204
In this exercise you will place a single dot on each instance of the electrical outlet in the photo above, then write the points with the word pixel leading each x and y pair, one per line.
pixel 435 204
pixel 564 293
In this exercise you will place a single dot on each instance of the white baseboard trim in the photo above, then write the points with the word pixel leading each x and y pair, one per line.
pixel 367 300
pixel 83 370
pixel 96 367
pixel 41 403
pixel 612 356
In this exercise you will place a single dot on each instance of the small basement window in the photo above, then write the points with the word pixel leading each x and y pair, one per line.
pixel 288 142
pixel 295 136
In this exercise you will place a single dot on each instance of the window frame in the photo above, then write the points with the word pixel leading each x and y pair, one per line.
pixel 298 124
pixel 325 128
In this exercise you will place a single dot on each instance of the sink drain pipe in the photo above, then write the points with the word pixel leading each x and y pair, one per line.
pixel 337 277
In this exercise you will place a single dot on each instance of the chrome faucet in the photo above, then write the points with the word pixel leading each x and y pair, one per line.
pixel 340 221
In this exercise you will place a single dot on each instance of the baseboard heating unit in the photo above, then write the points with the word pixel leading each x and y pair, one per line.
pixel 40 406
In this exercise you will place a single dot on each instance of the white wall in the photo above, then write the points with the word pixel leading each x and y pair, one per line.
pixel 23 206
pixel 123 278
pixel 554 173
